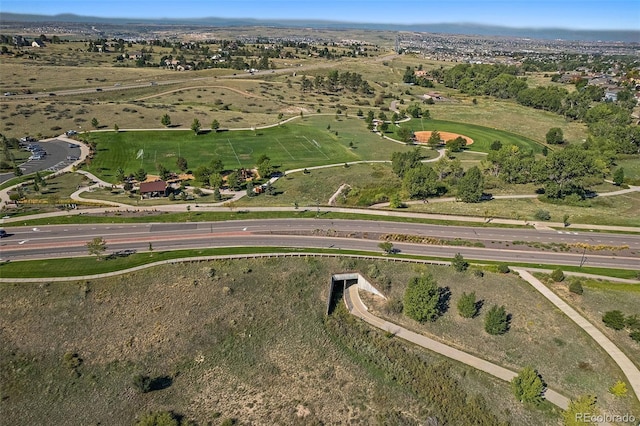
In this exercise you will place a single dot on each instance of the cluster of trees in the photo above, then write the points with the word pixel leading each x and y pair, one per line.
pixel 482 79
pixel 7 160
pixel 335 81
pixel 609 123
pixel 421 181
pixel 563 172
pixel 618 321
pixel 410 77
pixel 415 111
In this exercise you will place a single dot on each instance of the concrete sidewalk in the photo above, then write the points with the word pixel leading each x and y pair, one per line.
pixel 626 365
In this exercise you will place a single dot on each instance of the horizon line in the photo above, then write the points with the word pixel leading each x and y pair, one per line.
pixel 336 21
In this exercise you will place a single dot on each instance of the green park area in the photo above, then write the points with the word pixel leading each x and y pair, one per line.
pixel 482 136
pixel 305 142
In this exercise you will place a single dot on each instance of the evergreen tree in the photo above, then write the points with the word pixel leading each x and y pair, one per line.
pixel 422 299
pixel 459 264
pixel 496 321
pixel 467 305
pixel 618 176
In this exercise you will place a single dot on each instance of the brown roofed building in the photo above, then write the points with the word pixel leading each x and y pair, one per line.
pixel 153 189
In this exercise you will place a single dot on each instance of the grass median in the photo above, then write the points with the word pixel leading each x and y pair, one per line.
pixel 85 265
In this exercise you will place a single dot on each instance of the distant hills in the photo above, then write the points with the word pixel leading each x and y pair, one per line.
pixel 629 36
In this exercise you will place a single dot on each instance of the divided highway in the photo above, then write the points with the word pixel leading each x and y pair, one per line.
pixel 70 240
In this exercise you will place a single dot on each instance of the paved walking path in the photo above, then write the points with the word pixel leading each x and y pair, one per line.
pixel 332 200
pixel 628 368
pixel 357 308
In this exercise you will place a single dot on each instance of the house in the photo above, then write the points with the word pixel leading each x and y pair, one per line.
pixel 153 189
pixel 610 96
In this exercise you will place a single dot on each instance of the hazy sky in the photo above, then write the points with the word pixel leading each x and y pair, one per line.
pixel 574 14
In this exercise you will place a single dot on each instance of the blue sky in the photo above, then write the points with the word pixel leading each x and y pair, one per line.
pixel 573 14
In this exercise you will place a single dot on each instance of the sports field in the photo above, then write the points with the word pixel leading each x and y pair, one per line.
pixel 299 144
pixel 482 136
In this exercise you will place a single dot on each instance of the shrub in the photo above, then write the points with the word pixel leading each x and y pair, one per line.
pixel 619 389
pixel 614 319
pixel 72 360
pixel 557 275
pixel 497 321
pixel 576 287
pixel 503 269
pixel 478 273
pixel 142 383
pixel 635 336
pixel 542 215
pixel 633 322
pixel 584 405
pixel 394 306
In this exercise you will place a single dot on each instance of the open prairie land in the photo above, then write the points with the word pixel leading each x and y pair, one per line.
pixel 244 340
pixel 620 210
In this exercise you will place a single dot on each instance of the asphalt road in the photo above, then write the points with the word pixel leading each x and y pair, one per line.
pixel 70 240
pixel 56 158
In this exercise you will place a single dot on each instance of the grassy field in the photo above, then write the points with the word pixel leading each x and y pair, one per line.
pixel 370 183
pixel 600 297
pixel 302 143
pixel 482 136
pixel 631 168
pixel 620 210
pixel 539 335
pixel 243 340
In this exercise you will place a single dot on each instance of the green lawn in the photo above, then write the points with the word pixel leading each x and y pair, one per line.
pixel 482 136
pixel 631 166
pixel 302 143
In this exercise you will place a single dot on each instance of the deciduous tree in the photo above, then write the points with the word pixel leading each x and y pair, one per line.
pixel 470 186
pixel 528 386
pixel 195 126
pixel 420 181
pixel 555 136
pixel 97 247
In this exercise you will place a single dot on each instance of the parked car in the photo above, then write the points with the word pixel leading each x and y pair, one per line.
pixel 71 132
pixel 72 158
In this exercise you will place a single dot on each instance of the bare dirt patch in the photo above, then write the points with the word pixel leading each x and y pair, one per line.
pixel 423 136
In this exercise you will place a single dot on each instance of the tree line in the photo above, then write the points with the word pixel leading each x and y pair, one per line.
pixel 609 123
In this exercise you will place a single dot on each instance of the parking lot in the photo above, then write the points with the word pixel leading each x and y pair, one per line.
pixel 60 154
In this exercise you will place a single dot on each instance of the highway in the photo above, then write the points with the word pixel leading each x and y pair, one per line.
pixel 70 240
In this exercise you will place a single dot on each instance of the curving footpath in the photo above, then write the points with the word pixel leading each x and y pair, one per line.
pixel 357 308
pixel 626 365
